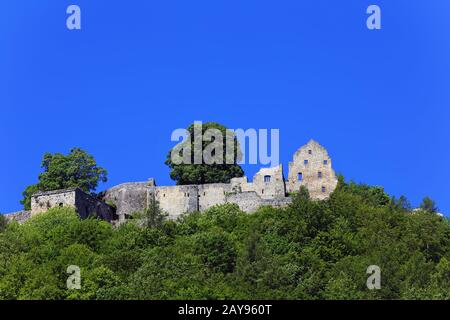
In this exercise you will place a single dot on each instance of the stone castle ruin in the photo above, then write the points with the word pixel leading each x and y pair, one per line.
pixel 310 167
pixel 85 204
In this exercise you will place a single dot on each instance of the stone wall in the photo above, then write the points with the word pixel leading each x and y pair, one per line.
pixel 247 201
pixel 176 200
pixel 19 216
pixel 42 202
pixel 241 185
pixel 212 194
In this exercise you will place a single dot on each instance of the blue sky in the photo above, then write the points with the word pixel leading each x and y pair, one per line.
pixel 377 100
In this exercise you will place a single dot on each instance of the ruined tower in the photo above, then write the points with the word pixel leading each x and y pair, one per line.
pixel 311 167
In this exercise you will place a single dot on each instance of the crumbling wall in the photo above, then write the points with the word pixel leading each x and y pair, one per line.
pixel 247 201
pixel 212 194
pixel 241 185
pixel 269 183
pixel 89 206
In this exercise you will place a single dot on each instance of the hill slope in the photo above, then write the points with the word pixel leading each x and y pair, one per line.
pixel 309 250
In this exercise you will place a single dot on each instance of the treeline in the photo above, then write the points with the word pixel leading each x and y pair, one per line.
pixel 309 250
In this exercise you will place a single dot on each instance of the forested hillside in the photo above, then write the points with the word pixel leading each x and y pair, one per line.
pixel 309 250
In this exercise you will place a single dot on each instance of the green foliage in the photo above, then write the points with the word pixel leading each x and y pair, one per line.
pixel 374 196
pixel 27 193
pixel 216 248
pixel 191 173
pixel 308 250
pixel 77 169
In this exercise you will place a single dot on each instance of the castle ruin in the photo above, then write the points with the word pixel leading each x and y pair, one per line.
pixel 311 167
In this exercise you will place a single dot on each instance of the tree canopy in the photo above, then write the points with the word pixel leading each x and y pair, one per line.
pixel 190 172
pixel 308 250
pixel 76 169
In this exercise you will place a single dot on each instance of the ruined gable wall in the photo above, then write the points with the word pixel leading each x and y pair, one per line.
pixel 315 154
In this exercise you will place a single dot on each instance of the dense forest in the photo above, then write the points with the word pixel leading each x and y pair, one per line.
pixel 309 250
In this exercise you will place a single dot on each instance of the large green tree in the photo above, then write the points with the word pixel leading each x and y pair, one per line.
pixel 78 169
pixel 192 172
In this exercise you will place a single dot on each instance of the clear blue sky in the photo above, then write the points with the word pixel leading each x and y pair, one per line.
pixel 377 100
